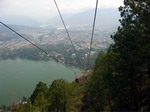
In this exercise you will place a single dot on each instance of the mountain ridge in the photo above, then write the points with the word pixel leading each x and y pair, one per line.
pixel 18 20
pixel 86 17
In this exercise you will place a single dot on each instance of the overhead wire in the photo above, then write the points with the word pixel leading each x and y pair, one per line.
pixel 47 54
pixel 77 57
pixel 92 36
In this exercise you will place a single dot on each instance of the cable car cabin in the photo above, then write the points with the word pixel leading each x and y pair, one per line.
pixel 76 79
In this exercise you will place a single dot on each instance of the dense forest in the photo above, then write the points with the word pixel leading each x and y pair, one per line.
pixel 120 79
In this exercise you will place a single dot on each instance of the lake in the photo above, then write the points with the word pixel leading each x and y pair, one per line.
pixel 19 77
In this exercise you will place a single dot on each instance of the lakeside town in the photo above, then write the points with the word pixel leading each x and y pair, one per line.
pixel 80 36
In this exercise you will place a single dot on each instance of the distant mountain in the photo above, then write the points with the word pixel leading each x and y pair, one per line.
pixel 105 17
pixel 18 20
pixel 17 28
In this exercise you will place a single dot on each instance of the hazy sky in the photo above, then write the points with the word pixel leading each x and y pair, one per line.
pixel 44 9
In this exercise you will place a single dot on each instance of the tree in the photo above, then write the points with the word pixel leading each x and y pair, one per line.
pixel 64 96
pixel 132 45
pixel 39 97
pixel 101 84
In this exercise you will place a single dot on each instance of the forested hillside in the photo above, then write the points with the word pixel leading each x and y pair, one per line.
pixel 120 80
pixel 60 96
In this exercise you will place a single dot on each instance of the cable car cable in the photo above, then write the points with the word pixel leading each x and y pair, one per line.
pixel 36 46
pixel 77 59
pixel 89 54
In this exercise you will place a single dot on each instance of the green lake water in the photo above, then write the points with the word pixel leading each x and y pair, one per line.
pixel 18 77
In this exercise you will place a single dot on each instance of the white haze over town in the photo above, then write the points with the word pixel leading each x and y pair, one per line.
pixel 43 10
